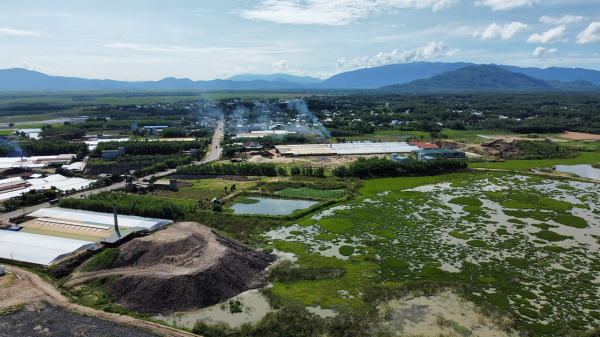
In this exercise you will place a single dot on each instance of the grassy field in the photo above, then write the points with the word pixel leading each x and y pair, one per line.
pixel 521 243
pixel 523 165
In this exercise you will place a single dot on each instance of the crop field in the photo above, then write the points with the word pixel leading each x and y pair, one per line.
pixel 522 243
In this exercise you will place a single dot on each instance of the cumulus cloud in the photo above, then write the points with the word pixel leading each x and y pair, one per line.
pixel 501 5
pixel 551 36
pixel 17 32
pixel 542 52
pixel 565 20
pixel 279 66
pixel 332 12
pixel 495 32
pixel 431 50
pixel 590 35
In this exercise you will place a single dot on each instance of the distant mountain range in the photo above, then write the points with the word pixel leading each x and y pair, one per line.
pixel 485 78
pixel 368 78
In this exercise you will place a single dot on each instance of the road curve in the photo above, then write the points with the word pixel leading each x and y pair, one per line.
pixel 52 295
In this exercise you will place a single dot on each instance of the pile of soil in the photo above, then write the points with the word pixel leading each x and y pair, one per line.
pixel 502 149
pixel 184 268
pixel 446 145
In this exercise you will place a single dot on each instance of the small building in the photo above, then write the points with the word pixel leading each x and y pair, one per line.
pixel 175 124
pixel 75 167
pixel 252 145
pixel 166 184
pixel 452 154
pixel 134 126
pixel 112 154
pixel 399 159
pixel 423 157
pixel 423 145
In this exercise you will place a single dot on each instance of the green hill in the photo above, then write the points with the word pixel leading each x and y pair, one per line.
pixel 484 78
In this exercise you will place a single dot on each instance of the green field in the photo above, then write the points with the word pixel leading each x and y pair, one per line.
pixel 523 165
pixel 522 243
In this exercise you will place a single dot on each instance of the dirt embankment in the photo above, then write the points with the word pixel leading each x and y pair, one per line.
pixel 502 149
pixel 183 268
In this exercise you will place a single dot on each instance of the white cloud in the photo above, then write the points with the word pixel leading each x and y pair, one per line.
pixel 17 32
pixel 565 20
pixel 332 12
pixel 431 50
pixel 495 32
pixel 29 66
pixel 501 5
pixel 542 52
pixel 590 35
pixel 279 66
pixel 551 36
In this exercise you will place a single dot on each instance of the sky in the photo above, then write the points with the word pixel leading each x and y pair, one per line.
pixel 134 40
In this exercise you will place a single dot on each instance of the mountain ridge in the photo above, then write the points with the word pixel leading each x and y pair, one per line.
pixel 367 78
pixel 485 78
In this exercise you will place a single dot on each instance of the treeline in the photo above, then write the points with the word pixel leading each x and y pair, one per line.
pixel 128 204
pixel 136 148
pixel 242 169
pixel 251 169
pixel 270 141
pixel 54 147
pixel 376 167
pixel 167 164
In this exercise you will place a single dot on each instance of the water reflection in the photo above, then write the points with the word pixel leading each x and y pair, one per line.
pixel 271 206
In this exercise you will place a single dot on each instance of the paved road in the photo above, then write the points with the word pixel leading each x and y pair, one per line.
pixel 49 293
pixel 214 154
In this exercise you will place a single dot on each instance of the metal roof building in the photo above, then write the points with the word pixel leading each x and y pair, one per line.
pixel 38 249
pixel 346 148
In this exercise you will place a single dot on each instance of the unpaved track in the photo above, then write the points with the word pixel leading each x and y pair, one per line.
pixel 47 292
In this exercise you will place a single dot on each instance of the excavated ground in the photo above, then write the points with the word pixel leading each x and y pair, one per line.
pixel 185 267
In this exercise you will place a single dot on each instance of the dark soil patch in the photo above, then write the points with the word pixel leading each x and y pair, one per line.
pixel 43 319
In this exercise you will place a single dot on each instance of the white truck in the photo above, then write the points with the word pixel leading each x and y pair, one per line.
pixel 1 270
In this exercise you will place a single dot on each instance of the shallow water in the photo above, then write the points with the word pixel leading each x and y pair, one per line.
pixel 584 171
pixel 272 206
pixel 254 307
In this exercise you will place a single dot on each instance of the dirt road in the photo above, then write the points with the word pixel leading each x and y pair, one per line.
pixel 32 288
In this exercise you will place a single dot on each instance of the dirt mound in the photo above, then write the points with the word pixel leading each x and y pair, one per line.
pixel 502 149
pixel 183 268
pixel 444 144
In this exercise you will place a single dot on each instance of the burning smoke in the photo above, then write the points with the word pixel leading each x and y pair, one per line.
pixel 316 126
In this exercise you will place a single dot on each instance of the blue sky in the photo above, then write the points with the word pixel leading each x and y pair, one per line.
pixel 203 40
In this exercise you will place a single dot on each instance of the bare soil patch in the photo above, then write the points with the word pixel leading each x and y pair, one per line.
pixel 186 267
pixel 580 136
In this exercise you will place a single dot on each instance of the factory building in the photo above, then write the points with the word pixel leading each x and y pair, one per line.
pixel 345 149
pixel 54 234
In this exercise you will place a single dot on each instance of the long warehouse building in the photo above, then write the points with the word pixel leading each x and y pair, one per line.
pixel 54 234
pixel 345 149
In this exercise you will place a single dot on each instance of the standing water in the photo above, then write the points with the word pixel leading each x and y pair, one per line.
pixel 271 206
pixel 584 171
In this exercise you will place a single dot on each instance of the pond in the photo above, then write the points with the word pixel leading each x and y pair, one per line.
pixel 584 171
pixel 271 206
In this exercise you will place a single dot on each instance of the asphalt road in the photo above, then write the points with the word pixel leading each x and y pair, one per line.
pixel 214 154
